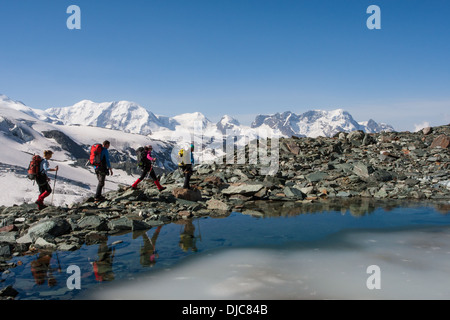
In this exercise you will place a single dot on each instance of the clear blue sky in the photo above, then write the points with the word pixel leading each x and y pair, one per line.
pixel 236 57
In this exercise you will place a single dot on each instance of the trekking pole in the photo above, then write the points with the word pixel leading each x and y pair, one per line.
pixel 54 185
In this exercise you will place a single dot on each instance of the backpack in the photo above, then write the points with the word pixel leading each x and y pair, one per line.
pixel 33 168
pixel 181 158
pixel 95 156
pixel 141 157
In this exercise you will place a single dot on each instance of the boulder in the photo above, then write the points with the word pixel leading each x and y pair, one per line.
pixel 427 130
pixel 93 223
pixel 441 141
pixel 316 176
pixel 214 180
pixel 187 194
pixel 293 147
pixel 246 189
pixel 125 223
pixel 54 228
pixel 44 244
pixel 8 237
pixel 361 170
pixel 215 204
pixel 293 193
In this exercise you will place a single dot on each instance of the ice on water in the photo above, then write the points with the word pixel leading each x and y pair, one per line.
pixel 414 264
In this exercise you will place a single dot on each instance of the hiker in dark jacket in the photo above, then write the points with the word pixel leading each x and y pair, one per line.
pixel 103 170
pixel 147 166
pixel 43 180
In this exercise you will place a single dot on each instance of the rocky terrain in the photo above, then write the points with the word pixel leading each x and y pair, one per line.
pixel 354 167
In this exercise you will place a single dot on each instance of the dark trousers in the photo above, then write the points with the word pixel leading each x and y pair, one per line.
pixel 145 171
pixel 42 182
pixel 187 170
pixel 101 177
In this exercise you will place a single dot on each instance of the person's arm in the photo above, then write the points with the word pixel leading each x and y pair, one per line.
pixel 45 166
pixel 108 163
pixel 106 155
pixel 149 156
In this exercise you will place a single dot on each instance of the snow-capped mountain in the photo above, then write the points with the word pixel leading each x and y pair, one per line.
pixel 317 123
pixel 373 127
pixel 121 115
pixel 227 123
pixel 130 117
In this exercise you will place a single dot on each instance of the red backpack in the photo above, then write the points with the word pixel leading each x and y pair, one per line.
pixel 33 168
pixel 95 157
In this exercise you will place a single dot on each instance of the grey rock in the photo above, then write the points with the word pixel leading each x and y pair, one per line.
pixel 382 175
pixel 293 193
pixel 343 194
pixel 67 247
pixel 382 193
pixel 411 182
pixel 316 176
pixel 25 239
pixel 8 237
pixel 214 204
pixel 93 223
pixel 5 250
pixel 244 189
pixel 42 243
pixel 125 223
pixel 54 228
pixel 362 170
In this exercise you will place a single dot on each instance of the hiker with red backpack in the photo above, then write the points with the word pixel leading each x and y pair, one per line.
pixel 145 161
pixel 100 159
pixel 42 178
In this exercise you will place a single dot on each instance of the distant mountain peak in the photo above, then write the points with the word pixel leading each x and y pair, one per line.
pixel 129 116
pixel 227 123
pixel 314 123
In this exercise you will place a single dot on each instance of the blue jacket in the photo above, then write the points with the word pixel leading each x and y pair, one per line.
pixel 44 166
pixel 104 156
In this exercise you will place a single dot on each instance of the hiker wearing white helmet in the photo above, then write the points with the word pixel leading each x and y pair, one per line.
pixel 185 163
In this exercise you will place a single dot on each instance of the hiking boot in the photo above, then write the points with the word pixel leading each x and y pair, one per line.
pixel 40 205
pixel 162 189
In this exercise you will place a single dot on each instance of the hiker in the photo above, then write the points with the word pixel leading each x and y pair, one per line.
pixel 43 180
pixel 41 269
pixel 147 167
pixel 102 170
pixel 187 236
pixel 103 266
pixel 148 249
pixel 186 159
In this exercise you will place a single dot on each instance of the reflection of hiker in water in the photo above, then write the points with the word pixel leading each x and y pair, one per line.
pixel 148 249
pixel 103 266
pixel 41 270
pixel 187 236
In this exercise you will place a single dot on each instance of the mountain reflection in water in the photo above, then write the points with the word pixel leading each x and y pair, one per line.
pixel 238 256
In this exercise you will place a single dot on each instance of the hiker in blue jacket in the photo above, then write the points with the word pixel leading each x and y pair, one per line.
pixel 103 170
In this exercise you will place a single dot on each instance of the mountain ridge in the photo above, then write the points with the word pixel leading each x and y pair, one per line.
pixel 131 117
